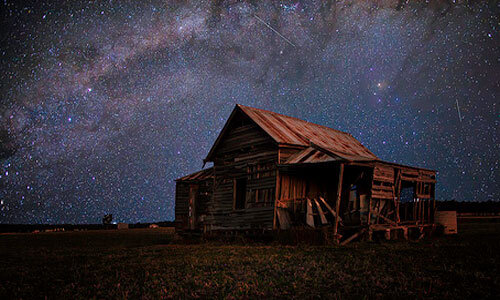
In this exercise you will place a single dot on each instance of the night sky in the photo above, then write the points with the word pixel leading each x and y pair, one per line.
pixel 105 103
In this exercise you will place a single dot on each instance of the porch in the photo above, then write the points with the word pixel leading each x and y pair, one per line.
pixel 352 200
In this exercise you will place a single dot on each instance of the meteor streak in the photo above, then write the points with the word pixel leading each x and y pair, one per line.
pixel 269 26
pixel 458 110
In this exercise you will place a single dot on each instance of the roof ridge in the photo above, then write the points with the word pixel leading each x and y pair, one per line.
pixel 295 118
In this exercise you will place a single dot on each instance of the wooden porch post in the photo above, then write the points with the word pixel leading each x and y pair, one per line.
pixel 415 203
pixel 276 198
pixel 378 211
pixel 433 195
pixel 398 219
pixel 369 217
pixel 337 205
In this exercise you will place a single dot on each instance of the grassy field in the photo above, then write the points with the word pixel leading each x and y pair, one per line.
pixel 150 263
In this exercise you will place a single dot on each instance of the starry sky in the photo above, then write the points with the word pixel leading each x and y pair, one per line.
pixel 105 103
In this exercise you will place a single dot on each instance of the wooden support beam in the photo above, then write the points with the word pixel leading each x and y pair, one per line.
pixel 330 209
pixel 414 209
pixel 320 211
pixel 422 233
pixel 417 211
pixel 405 232
pixel 397 196
pixel 378 210
pixel 422 211
pixel 369 211
pixel 276 197
pixel 389 221
pixel 398 217
pixel 368 221
pixel 309 215
pixel 352 237
pixel 283 217
pixel 339 196
pixel 388 234
pixel 433 195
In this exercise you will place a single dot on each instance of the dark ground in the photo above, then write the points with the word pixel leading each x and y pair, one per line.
pixel 151 263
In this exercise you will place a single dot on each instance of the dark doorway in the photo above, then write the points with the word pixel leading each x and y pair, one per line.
pixel 240 188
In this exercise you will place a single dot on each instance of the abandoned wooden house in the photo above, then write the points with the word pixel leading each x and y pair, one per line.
pixel 273 172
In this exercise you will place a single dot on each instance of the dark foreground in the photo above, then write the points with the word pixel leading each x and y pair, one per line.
pixel 149 263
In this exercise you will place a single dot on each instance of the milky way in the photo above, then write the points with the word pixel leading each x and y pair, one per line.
pixel 104 104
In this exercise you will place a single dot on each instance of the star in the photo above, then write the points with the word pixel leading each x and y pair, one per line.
pixel 105 104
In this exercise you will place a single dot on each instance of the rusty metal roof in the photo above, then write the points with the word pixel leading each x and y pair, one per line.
pixel 198 176
pixel 320 143
pixel 292 131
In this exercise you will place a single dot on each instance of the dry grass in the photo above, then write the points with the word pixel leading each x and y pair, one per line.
pixel 148 263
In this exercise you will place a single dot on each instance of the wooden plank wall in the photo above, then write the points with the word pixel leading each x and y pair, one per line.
pixel 203 196
pixel 296 186
pixel 408 174
pixel 243 149
pixel 308 183
pixel 386 189
pixel 181 205
pixel 286 151
pixel 291 187
pixel 383 182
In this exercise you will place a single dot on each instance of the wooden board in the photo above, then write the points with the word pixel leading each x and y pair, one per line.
pixel 284 218
pixel 309 215
pixel 321 214
pixel 330 208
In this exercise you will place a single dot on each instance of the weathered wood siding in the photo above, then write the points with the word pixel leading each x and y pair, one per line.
pixel 181 205
pixel 308 183
pixel 286 151
pixel 202 197
pixel 205 190
pixel 245 151
pixel 383 182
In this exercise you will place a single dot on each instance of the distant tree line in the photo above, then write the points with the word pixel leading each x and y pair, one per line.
pixel 489 207
pixel 73 227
